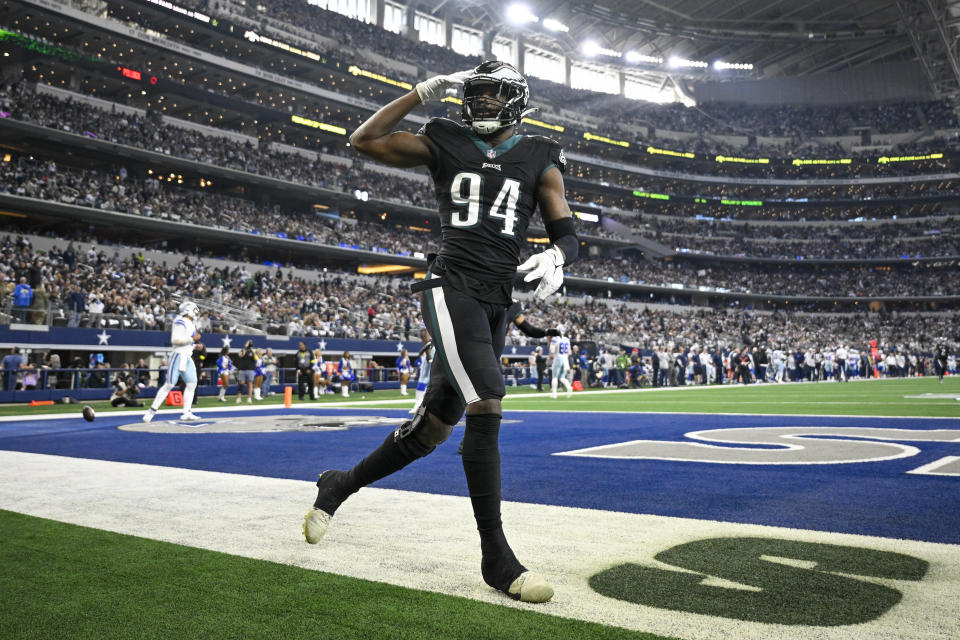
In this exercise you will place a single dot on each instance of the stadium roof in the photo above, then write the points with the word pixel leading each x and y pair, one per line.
pixel 779 37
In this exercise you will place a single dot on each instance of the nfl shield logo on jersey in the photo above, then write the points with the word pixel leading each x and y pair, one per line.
pixel 491 153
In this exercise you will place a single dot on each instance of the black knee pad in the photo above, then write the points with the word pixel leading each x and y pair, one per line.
pixel 421 435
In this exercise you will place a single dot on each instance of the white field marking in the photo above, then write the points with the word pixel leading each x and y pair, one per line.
pixel 931 469
pixel 372 405
pixel 795 445
pixel 428 542
pixel 934 396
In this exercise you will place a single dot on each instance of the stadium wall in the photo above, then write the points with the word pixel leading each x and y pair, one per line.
pixel 872 83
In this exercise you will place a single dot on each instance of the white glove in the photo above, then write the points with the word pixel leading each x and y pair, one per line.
pixel 435 88
pixel 548 266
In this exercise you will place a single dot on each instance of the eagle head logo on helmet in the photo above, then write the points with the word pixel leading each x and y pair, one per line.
pixel 494 96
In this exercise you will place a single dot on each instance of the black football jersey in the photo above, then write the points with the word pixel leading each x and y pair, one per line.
pixel 486 196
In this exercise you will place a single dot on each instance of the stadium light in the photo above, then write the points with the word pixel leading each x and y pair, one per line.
pixel 634 57
pixel 591 49
pixel 720 65
pixel 518 13
pixel 676 62
pixel 555 25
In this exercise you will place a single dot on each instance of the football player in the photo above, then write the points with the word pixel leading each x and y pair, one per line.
pixel 940 361
pixel 424 361
pixel 489 181
pixel 183 337
pixel 560 352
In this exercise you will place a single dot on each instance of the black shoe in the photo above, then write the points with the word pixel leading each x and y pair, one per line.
pixel 330 491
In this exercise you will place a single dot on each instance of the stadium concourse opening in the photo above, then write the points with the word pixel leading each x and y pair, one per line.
pixel 740 231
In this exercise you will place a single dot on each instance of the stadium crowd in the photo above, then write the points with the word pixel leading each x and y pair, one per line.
pixel 792 278
pixel 587 183
pixel 780 121
pixel 93 285
pixel 150 197
pixel 148 132
pixel 933 237
pixel 790 121
pixel 668 347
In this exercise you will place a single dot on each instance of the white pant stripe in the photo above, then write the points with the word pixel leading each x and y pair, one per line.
pixel 449 340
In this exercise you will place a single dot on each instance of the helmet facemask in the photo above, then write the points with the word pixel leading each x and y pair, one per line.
pixel 494 97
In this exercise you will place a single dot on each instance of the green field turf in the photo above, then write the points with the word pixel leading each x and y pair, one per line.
pixel 867 398
pixel 64 581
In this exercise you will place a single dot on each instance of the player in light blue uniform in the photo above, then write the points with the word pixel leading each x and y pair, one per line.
pixel 183 337
pixel 424 361
pixel 560 350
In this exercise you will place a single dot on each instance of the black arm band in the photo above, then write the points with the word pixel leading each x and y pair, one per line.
pixel 533 332
pixel 563 234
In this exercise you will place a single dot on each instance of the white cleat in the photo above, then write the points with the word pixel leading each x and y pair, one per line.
pixel 315 525
pixel 189 415
pixel 553 396
pixel 531 587
pixel 148 416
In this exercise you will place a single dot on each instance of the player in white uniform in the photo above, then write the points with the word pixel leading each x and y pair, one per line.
pixel 183 338
pixel 828 364
pixel 560 350
pixel 427 352
pixel 778 358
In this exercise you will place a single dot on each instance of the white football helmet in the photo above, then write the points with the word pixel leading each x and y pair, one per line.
pixel 562 329
pixel 188 308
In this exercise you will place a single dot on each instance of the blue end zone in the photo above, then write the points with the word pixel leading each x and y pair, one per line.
pixel 873 498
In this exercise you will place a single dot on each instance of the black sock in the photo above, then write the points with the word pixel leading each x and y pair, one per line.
pixel 391 456
pixel 481 465
pixel 499 566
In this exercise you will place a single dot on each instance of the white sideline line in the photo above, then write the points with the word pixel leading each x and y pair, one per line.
pixel 367 405
pixel 428 542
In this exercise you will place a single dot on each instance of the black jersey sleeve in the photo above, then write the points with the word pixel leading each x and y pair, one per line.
pixel 431 129
pixel 554 156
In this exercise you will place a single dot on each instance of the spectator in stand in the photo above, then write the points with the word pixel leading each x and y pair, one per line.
pixel 22 298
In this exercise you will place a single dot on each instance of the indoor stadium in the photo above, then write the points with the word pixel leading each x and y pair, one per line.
pixel 480 319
